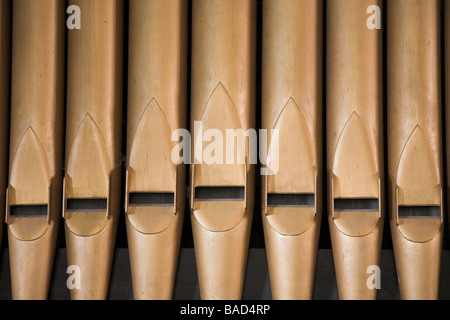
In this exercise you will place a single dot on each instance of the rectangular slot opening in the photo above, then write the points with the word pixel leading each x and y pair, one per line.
pixel 419 212
pixel 28 211
pixel 290 200
pixel 87 205
pixel 219 193
pixel 369 205
pixel 137 199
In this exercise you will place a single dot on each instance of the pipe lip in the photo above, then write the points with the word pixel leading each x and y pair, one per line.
pixel 150 219
pixel 290 221
pixel 419 230
pixel 219 216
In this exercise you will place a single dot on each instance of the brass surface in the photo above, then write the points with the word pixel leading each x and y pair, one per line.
pixel 93 142
pixel 156 108
pixel 415 143
pixel 292 104
pixel 36 145
pixel 222 97
pixel 5 91
pixel 354 142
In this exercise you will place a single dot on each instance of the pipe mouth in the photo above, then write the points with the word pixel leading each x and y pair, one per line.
pixel 290 214
pixel 419 212
pixel 419 223
pixel 220 193
pixel 87 205
pixel 219 208
pixel 86 216
pixel 296 200
pixel 151 199
pixel 28 222
pixel 28 211
pixel 356 217
pixel 356 205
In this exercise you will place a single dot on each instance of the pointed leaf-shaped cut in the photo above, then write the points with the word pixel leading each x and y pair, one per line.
pixel 87 172
pixel 220 114
pixel 418 186
pixel 355 165
pixel 356 177
pixel 29 185
pixel 30 171
pixel 151 170
pixel 296 174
